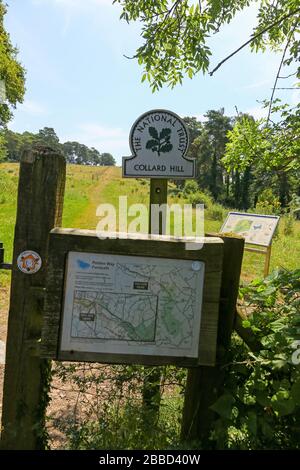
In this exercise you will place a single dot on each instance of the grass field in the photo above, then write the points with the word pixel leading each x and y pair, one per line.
pixel 87 187
pixel 73 398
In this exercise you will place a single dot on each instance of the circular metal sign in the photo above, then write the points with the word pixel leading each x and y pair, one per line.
pixel 196 266
pixel 29 262
pixel 159 142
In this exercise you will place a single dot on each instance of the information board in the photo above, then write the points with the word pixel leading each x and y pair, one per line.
pixel 132 305
pixel 131 300
pixel 257 229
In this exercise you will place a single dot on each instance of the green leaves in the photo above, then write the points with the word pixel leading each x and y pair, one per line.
pixel 174 34
pixel 11 72
pixel 223 406
pixel 268 145
pixel 160 142
pixel 262 398
pixel 282 403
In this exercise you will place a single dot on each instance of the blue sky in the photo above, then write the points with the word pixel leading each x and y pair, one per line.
pixel 79 82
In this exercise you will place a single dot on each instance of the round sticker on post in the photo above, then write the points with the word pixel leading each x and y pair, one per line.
pixel 196 266
pixel 29 262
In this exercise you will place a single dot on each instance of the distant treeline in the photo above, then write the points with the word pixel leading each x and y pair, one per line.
pixel 74 152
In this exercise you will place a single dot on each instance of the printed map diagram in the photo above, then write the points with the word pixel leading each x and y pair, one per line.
pixel 126 304
pixel 257 229
pixel 108 315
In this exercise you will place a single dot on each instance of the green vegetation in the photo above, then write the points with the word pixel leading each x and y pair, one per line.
pixel 87 187
pixel 175 35
pixel 74 152
pixel 12 74
pixel 260 407
pixel 111 415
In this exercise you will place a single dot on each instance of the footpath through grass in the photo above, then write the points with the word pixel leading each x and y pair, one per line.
pixel 87 187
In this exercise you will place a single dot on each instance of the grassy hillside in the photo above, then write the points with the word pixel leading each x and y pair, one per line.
pixel 87 187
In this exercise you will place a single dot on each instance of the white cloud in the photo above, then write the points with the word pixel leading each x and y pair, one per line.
pixel 105 139
pixel 260 84
pixel 257 112
pixel 74 3
pixel 101 15
pixel 33 108
pixel 295 96
pixel 97 131
pixel 200 117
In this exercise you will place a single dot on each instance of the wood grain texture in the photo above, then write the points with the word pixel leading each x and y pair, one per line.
pixel 40 200
pixel 64 240
pixel 205 384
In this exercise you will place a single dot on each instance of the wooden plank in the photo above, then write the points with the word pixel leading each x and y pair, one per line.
pixel 40 202
pixel 255 250
pixel 204 384
pixel 267 261
pixel 63 240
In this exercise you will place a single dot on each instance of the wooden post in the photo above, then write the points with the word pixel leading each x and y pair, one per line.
pixel 40 204
pixel 204 384
pixel 151 386
pixel 267 255
pixel 158 195
pixel 267 260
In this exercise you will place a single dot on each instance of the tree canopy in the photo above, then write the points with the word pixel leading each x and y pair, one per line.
pixel 15 143
pixel 175 34
pixel 12 74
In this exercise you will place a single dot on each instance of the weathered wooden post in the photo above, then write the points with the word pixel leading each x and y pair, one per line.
pixel 204 384
pixel 151 386
pixel 40 204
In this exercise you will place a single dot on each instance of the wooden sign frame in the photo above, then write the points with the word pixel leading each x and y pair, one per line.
pixel 63 241
pixel 266 247
pixel 275 218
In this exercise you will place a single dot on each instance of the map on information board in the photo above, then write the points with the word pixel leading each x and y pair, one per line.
pixel 132 305
pixel 257 229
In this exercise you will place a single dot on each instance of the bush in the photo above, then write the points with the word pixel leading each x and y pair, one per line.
pixel 190 187
pixel 268 203
pixel 260 407
pixel 289 223
pixel 216 212
pixel 199 198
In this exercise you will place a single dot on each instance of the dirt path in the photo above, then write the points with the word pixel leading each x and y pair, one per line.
pixel 88 219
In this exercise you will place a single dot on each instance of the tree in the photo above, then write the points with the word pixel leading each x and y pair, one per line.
pixel 12 74
pixel 3 151
pixel 175 33
pixel 47 136
pixel 107 159
pixel 271 148
pixel 208 148
pixel 194 127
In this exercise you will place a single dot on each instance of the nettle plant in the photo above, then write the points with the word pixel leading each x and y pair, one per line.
pixel 260 407
pixel 160 142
